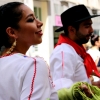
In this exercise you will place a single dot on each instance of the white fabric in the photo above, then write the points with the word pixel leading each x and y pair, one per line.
pixel 94 53
pixel 16 73
pixel 95 78
pixel 66 67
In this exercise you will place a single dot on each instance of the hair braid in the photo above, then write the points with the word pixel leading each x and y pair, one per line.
pixel 10 15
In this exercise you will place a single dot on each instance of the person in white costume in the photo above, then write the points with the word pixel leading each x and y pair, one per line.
pixel 22 77
pixel 69 62
pixel 94 51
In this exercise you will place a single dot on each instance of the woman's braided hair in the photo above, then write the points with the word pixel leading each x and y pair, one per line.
pixel 10 15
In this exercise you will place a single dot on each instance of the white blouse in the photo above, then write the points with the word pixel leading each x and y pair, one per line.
pixel 25 78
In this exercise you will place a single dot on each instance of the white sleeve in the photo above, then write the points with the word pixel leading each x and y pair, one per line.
pixel 62 66
pixel 36 82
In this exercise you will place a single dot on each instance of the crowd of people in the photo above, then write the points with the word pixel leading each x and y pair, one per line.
pixel 71 70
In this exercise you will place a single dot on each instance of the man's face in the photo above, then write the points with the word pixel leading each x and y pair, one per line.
pixel 85 31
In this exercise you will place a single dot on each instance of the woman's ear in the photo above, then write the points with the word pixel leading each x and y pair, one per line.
pixel 11 32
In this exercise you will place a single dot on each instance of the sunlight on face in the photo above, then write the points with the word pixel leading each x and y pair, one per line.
pixel 30 32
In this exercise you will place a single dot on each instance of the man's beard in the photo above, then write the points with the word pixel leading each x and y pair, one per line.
pixel 82 39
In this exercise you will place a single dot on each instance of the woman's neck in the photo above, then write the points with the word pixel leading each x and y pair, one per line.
pixel 95 47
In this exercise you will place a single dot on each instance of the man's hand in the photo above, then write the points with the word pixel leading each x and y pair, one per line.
pixel 86 90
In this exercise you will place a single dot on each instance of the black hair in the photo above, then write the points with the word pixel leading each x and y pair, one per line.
pixel 10 15
pixel 94 38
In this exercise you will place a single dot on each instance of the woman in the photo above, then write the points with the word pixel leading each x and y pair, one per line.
pixel 22 77
pixel 94 50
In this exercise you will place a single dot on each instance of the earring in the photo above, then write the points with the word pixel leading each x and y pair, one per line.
pixel 12 47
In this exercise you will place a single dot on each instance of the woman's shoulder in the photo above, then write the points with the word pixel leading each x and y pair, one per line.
pixel 23 60
pixel 90 50
pixel 36 59
pixel 25 57
pixel 25 64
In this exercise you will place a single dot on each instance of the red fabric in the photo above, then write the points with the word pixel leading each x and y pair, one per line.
pixel 90 66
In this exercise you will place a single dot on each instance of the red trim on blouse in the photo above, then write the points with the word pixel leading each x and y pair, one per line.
pixel 34 75
pixel 6 55
pixel 32 85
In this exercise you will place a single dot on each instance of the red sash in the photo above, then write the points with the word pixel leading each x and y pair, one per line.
pixel 90 66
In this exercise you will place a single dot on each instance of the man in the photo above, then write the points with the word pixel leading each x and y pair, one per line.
pixel 69 62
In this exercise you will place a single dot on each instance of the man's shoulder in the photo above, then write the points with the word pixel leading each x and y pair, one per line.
pixel 64 47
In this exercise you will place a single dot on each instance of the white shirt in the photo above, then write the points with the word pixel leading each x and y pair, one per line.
pixel 16 74
pixel 67 67
pixel 94 53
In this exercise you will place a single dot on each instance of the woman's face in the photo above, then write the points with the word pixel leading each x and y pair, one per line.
pixel 97 43
pixel 29 32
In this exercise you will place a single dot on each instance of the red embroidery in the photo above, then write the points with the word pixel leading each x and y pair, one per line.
pixel 50 78
pixel 7 55
pixel 51 81
pixel 34 75
pixel 62 62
